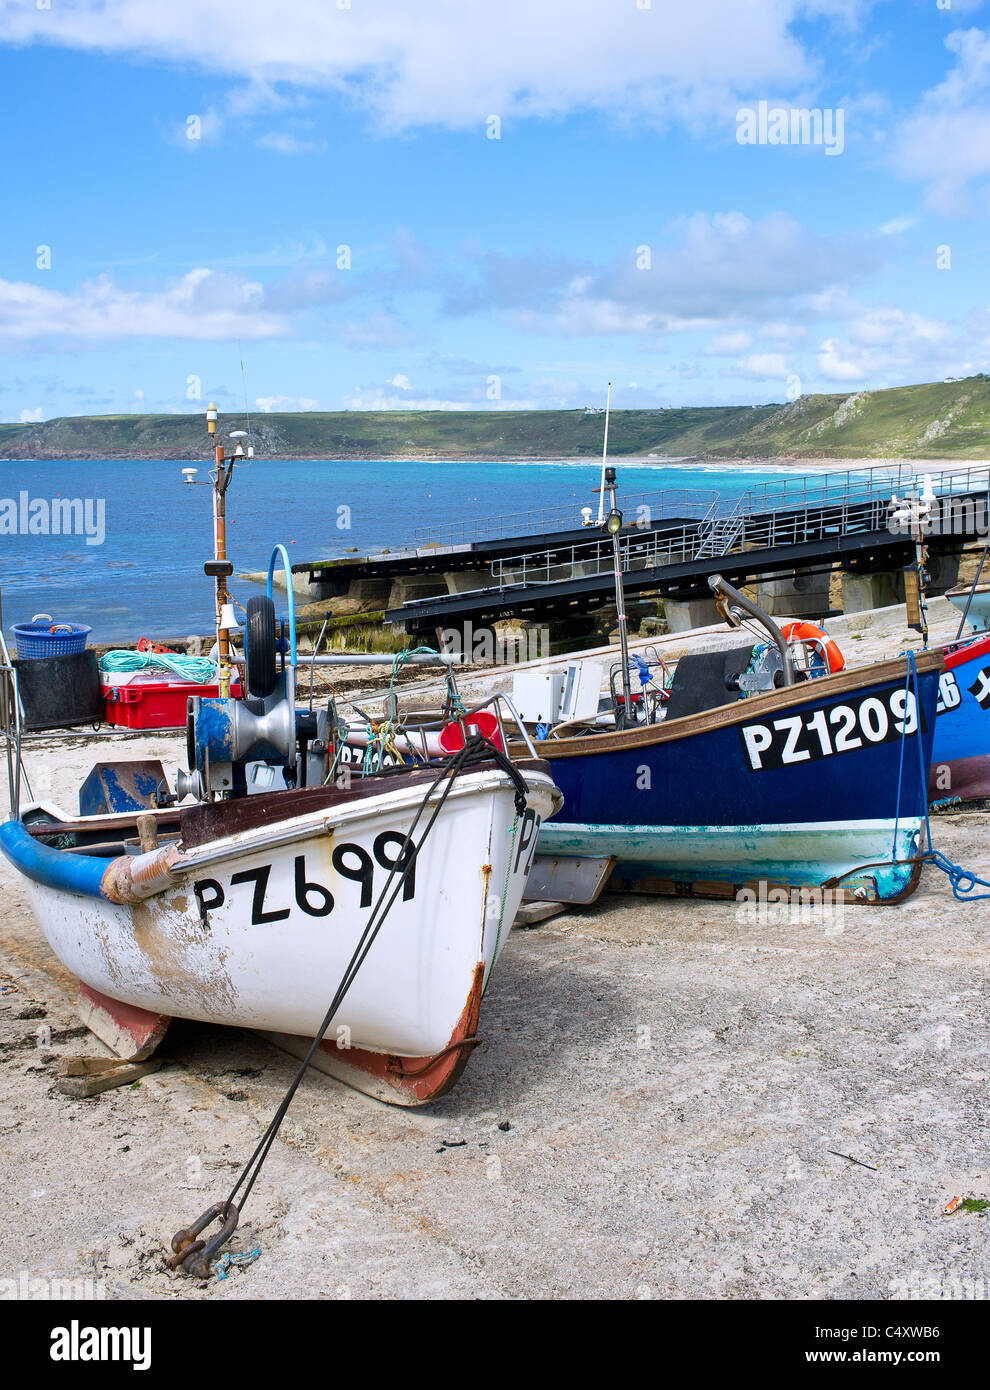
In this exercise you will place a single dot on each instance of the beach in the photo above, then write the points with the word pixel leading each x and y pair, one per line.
pixel 672 1099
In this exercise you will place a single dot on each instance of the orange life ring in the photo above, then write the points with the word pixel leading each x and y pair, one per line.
pixel 801 632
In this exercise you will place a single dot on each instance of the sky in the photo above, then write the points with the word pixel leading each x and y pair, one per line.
pixel 378 204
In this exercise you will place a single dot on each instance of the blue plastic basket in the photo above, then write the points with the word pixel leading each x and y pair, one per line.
pixel 50 639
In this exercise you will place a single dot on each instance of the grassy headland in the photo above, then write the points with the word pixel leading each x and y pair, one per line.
pixel 930 420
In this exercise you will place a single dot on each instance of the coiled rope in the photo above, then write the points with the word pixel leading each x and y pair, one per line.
pixel 198 669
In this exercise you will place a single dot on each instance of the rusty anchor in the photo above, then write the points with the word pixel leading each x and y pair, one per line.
pixel 193 1256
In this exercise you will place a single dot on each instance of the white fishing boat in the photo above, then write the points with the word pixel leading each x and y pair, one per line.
pixel 249 910
pixel 973 600
pixel 368 912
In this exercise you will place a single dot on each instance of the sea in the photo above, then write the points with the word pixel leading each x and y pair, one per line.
pixel 135 569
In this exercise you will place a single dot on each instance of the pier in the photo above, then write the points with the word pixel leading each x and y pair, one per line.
pixel 456 557
pixel 786 533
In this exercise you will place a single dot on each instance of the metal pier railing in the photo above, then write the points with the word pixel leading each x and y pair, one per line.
pixel 541 521
pixel 784 511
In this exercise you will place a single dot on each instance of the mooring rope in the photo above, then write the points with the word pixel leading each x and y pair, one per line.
pixel 475 749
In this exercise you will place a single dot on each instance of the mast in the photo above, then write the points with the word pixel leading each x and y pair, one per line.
pixel 601 494
pixel 221 568
pixel 612 526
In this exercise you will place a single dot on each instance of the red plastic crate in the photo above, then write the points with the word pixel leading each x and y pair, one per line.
pixel 155 704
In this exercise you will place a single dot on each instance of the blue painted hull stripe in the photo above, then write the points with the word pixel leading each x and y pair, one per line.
pixel 72 873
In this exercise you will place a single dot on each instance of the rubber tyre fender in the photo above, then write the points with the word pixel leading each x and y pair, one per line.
pixel 259 647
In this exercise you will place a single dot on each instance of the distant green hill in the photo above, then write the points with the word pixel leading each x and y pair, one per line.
pixel 932 420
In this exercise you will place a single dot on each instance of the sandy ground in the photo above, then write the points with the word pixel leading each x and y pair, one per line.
pixel 774 463
pixel 660 1109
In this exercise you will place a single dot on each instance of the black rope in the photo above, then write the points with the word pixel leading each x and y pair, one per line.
pixel 484 752
pixel 479 750
pixel 476 749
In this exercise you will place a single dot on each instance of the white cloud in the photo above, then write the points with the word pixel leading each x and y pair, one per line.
pixel 592 316
pixel 455 62
pixel 202 305
pixel 836 367
pixel 471 398
pixel 270 403
pixel 31 417
pixel 761 366
pixel 896 226
pixel 284 142
pixel 728 344
pixel 373 398
pixel 946 142
pixel 888 326
pixel 401 381
pixel 722 272
pixel 890 344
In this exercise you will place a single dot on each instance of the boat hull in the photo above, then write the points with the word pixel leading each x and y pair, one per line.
pixel 961 751
pixel 258 935
pixel 854 857
pixel 804 787
pixel 978 616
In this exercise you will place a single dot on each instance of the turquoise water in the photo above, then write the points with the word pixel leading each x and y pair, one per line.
pixel 146 578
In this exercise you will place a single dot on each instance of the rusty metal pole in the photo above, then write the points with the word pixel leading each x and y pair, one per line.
pixel 629 714
pixel 220 553
pixel 221 477
pixel 919 575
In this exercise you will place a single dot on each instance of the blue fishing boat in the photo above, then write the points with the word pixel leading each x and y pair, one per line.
pixel 822 784
pixel 766 766
pixel 769 765
pixel 961 752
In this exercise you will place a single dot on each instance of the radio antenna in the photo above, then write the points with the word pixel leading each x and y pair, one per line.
pixel 601 495
pixel 247 412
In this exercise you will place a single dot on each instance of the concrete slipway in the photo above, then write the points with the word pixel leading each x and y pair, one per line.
pixel 653 1113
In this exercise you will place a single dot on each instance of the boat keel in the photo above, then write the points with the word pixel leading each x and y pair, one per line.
pixel 397 1080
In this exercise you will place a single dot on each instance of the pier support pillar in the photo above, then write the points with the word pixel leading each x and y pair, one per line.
pixel 371 593
pixel 464 581
pixel 415 586
pixel 800 595
pixel 684 614
pixel 861 592
pixel 305 591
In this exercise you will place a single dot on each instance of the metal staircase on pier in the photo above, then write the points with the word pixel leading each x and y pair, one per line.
pixel 717 535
